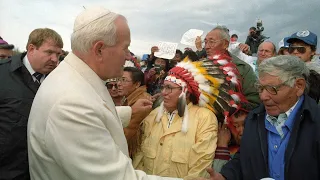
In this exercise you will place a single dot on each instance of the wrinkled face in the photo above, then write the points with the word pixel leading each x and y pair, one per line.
pixel 126 85
pixel 114 57
pixel 45 58
pixel 113 89
pixel 265 51
pixel 160 62
pixel 301 50
pixel 5 53
pixel 285 97
pixel 170 93
pixel 238 123
pixel 214 43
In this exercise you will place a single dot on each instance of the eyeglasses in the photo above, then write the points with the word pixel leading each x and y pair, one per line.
pixel 168 89
pixel 300 49
pixel 211 42
pixel 271 89
pixel 124 80
pixel 110 86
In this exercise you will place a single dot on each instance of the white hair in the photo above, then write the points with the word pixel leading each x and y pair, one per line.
pixel 103 29
pixel 286 67
pixel 224 32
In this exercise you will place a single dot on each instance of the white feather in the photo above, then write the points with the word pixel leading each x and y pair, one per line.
pixel 225 120
pixel 222 62
pixel 227 69
pixel 234 80
pixel 203 98
pixel 230 73
pixel 160 113
pixel 216 56
pixel 205 88
pixel 200 78
pixel 235 97
pixel 185 120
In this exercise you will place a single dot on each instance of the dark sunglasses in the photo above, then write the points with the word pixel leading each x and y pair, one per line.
pixel 110 86
pixel 300 49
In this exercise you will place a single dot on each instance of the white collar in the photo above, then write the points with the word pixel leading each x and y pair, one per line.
pixel 27 64
pixel 292 108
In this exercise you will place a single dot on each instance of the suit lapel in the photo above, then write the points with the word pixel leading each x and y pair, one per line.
pixel 293 139
pixel 263 139
pixel 28 80
pixel 18 68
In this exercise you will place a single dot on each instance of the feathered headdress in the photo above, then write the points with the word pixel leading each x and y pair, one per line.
pixel 214 81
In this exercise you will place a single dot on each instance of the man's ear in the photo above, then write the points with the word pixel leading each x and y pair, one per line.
pixel 226 44
pixel 313 52
pixel 98 47
pixel 31 48
pixel 300 85
pixel 138 84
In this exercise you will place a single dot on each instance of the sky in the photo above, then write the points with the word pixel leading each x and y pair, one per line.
pixel 152 21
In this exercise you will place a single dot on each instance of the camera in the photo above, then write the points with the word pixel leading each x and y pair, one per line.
pixel 158 68
pixel 260 28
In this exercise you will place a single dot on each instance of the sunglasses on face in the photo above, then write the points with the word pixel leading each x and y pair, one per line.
pixel 300 49
pixel 110 86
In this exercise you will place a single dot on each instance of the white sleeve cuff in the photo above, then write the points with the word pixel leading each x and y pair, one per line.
pixel 124 113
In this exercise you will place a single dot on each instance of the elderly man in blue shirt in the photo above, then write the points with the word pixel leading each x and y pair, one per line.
pixel 281 139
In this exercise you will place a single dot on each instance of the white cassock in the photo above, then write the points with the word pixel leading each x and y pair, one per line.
pixel 74 131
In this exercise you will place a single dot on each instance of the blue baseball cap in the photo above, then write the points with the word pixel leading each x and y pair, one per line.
pixel 306 36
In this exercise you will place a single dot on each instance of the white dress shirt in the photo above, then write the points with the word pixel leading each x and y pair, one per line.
pixel 30 69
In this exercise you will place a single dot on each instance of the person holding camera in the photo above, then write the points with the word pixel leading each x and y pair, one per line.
pixel 154 77
pixel 255 38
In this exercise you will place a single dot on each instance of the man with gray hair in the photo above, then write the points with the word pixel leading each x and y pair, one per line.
pixel 217 41
pixel 74 131
pixel 281 138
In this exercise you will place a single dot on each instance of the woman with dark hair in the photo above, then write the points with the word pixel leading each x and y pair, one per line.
pixel 179 137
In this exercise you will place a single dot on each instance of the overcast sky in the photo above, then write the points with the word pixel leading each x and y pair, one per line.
pixel 152 21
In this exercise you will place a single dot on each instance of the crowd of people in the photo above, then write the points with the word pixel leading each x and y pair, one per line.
pixel 220 112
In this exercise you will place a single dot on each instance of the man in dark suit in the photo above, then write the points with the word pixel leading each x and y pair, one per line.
pixel 20 78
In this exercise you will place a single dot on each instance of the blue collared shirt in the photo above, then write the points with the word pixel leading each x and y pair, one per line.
pixel 278 140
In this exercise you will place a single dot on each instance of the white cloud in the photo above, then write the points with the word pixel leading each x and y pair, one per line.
pixel 152 21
